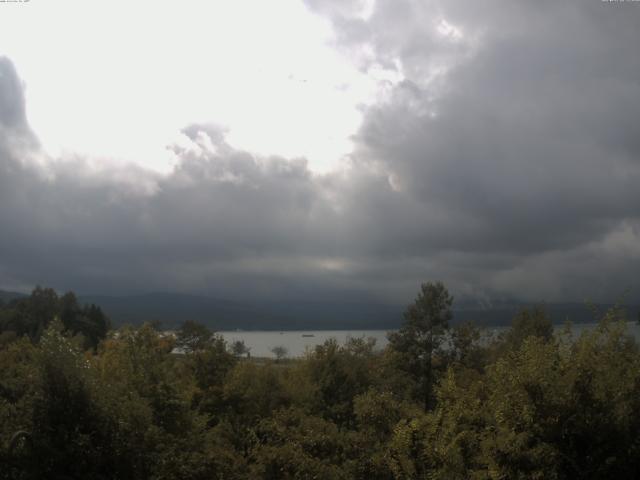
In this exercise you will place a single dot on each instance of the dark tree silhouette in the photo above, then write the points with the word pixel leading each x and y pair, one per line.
pixel 426 321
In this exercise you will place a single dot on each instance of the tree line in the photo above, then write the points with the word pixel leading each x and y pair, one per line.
pixel 30 316
pixel 80 400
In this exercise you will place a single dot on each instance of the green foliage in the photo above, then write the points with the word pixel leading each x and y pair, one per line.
pixel 68 434
pixel 339 374
pixel 549 409
pixel 529 323
pixel 193 336
pixel 19 387
pixel 530 404
pixel 254 391
pixel 238 348
pixel 426 321
pixel 465 348
pixel 295 445
pixel 378 412
pixel 30 317
pixel 208 368
pixel 280 352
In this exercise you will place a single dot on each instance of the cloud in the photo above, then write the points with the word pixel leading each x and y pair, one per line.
pixel 518 122
pixel 12 113
pixel 503 159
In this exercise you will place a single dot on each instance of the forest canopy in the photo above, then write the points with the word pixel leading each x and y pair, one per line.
pixel 81 400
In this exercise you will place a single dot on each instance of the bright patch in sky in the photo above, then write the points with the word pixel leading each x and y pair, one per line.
pixel 446 29
pixel 118 80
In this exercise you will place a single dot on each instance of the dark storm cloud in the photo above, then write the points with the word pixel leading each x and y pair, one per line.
pixel 224 222
pixel 505 162
pixel 520 120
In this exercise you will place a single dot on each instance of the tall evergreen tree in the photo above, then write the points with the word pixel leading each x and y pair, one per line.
pixel 426 321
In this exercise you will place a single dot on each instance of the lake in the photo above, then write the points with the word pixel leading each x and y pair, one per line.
pixel 298 341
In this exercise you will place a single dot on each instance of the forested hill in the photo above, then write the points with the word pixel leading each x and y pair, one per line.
pixel 172 309
pixel 6 297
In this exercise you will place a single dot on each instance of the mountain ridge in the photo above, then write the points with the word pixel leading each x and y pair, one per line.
pixel 171 309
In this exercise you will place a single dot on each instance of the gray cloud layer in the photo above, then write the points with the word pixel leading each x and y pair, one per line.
pixel 506 163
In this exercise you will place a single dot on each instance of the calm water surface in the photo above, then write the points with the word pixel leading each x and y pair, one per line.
pixel 298 341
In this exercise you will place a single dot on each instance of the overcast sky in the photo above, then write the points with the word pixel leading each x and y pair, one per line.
pixel 327 149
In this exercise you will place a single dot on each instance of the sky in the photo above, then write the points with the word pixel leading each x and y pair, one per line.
pixel 322 149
